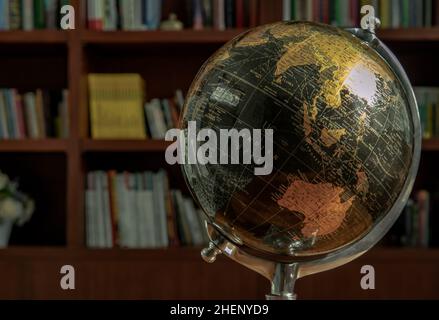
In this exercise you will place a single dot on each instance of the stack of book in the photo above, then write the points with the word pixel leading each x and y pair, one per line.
pixel 34 115
pixel 139 210
pixel 346 13
pixel 30 14
pixel 428 104
pixel 413 226
pixel 163 114
pixel 118 109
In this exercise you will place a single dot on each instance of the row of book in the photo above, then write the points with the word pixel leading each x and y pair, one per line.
pixel 111 15
pixel 428 104
pixel 30 14
pixel 222 14
pixel 163 114
pixel 33 115
pixel 413 228
pixel 139 210
pixel 118 109
pixel 346 13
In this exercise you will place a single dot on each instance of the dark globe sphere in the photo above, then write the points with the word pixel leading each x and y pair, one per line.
pixel 343 139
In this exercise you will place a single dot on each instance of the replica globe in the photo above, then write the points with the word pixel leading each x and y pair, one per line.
pixel 345 149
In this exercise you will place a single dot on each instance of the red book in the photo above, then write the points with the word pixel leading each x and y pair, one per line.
pixel 254 13
pixel 325 11
pixel 355 13
pixel 20 116
pixel 239 14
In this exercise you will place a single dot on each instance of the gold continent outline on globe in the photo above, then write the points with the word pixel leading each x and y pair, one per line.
pixel 344 146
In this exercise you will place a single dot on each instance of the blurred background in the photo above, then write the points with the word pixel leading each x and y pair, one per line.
pixel 91 191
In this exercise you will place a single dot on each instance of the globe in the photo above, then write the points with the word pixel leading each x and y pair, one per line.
pixel 344 144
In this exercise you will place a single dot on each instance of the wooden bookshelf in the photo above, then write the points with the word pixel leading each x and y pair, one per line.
pixel 53 171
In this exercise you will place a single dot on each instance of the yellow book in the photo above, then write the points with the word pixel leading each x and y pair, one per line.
pixel 116 106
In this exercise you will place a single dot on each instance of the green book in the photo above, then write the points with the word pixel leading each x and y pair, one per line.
pixel 405 19
pixel 39 13
pixel 293 10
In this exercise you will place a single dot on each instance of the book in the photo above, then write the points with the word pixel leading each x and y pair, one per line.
pixel 28 14
pixel 14 14
pixel 116 106
pixel 39 14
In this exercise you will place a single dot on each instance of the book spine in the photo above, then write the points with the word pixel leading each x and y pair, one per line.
pixel 230 13
pixel 95 14
pixel 4 15
pixel 219 15
pixel 428 13
pixel 254 13
pixel 28 14
pixel 51 14
pixel 240 14
pixel 286 10
pixel 207 13
pixel 20 117
pixel 39 14
pixel 396 13
pixel 197 15
pixel 3 117
pixel 90 211
pixel 405 17
pixel 31 117
pixel 15 14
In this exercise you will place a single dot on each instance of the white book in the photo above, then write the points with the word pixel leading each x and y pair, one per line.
pixel 3 116
pixel 396 13
pixel 158 118
pixel 150 118
pixel 31 115
pixel 137 18
pixel 108 227
pixel 95 12
pixel 28 14
pixel 128 14
pixel 110 15
pixel 286 10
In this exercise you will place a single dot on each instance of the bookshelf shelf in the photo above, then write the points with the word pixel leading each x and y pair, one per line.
pixel 35 146
pixel 159 37
pixel 410 34
pixel 173 254
pixel 90 145
pixel 33 37
pixel 430 144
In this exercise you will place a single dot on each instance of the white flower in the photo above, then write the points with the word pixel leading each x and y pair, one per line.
pixel 4 180
pixel 29 208
pixel 10 209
